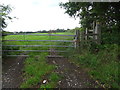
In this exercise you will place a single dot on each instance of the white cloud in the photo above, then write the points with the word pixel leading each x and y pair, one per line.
pixel 39 15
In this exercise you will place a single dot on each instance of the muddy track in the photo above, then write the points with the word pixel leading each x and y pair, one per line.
pixel 73 76
pixel 12 72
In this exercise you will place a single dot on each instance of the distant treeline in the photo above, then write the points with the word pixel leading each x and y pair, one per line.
pixel 4 33
pixel 41 31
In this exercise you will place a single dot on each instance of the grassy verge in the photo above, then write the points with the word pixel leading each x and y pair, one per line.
pixel 103 65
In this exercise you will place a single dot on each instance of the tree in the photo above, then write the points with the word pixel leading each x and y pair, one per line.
pixel 107 13
pixel 4 15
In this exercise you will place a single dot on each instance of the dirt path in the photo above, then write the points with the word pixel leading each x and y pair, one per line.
pixel 73 76
pixel 12 72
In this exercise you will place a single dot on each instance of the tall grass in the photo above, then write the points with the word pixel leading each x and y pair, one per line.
pixel 103 64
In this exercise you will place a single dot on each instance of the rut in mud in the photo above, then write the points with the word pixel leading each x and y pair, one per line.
pixel 12 72
pixel 73 76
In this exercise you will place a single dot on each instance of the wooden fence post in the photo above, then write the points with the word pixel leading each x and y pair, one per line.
pixel 77 40
pixel 94 31
pixel 86 34
pixel 82 37
pixel 99 33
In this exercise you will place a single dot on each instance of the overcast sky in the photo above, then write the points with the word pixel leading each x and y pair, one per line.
pixel 34 15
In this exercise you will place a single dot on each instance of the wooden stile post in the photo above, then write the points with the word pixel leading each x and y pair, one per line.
pixel 99 33
pixel 86 32
pixel 81 39
pixel 77 40
pixel 94 29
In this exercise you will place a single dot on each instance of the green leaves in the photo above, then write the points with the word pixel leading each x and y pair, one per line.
pixel 4 13
pixel 109 17
pixel 93 11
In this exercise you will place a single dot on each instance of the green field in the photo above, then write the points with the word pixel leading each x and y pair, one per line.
pixel 35 37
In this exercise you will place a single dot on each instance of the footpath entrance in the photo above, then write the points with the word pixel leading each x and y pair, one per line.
pixel 73 76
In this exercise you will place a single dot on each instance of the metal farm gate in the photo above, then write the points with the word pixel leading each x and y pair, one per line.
pixel 49 34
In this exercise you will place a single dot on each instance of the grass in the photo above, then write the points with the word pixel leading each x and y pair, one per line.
pixel 35 69
pixel 103 65
pixel 36 66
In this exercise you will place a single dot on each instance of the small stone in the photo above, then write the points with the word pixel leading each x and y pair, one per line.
pixel 68 83
pixel 76 71
pixel 44 81
pixel 61 72
pixel 13 69
pixel 59 81
pixel 8 78
pixel 54 62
